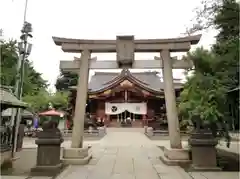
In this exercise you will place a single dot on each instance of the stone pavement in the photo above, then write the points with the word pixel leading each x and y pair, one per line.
pixel 122 153
pixel 129 154
pixel 30 143
pixel 23 177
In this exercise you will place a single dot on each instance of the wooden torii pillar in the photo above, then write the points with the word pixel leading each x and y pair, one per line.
pixel 125 47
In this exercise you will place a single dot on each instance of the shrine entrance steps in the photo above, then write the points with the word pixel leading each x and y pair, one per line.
pixel 117 124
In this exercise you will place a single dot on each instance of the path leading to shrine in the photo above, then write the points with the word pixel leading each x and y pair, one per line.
pixel 129 154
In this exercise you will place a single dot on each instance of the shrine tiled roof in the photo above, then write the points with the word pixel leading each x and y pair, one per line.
pixel 147 80
pixel 8 112
pixel 8 99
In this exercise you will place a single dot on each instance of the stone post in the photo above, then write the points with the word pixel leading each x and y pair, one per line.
pixel 170 100
pixel 101 131
pixel 150 131
pixel 80 107
pixel 77 155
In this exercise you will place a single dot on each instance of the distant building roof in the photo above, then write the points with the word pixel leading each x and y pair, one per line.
pixel 8 100
pixel 149 80
pixel 8 112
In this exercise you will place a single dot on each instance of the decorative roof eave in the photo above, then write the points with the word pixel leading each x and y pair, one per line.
pixel 108 93
pixel 123 79
pixel 120 80
pixel 124 75
pixel 192 39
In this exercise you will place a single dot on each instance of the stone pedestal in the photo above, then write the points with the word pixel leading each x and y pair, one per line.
pixel 150 131
pixel 204 154
pixel 145 129
pixel 76 156
pixel 48 151
pixel 101 131
pixel 175 156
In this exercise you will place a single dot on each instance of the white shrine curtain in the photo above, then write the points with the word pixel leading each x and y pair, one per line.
pixel 114 108
pixel 118 108
pixel 136 108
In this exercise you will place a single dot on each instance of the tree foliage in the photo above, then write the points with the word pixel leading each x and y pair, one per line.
pixel 227 45
pixel 38 102
pixel 59 100
pixel 33 82
pixel 203 95
pixel 43 100
pixel 65 80
pixel 216 72
pixel 35 91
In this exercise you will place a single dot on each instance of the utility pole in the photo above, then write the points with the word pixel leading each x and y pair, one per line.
pixel 1 35
pixel 24 51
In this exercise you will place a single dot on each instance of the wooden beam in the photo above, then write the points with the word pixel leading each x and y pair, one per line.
pixel 73 66
pixel 192 39
pixel 173 47
pixel 94 48
pixel 108 48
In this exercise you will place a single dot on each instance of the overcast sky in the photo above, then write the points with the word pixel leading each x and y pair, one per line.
pixel 95 19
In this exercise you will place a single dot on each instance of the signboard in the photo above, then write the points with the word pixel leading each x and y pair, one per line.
pixel 125 49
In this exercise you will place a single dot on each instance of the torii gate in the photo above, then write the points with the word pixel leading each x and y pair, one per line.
pixel 125 48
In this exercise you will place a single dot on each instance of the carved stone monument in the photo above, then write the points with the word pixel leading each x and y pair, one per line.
pixel 48 151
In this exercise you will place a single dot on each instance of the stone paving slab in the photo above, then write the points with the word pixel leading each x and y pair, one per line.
pixel 123 155
pixel 129 154
pixel 30 143
pixel 13 177
pixel 122 176
pixel 221 175
pixel 24 177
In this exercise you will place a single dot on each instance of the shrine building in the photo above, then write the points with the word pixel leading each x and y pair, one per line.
pixel 115 97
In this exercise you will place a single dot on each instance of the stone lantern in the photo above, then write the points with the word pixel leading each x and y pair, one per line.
pixel 49 150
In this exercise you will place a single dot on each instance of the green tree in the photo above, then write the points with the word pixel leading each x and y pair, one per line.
pixel 33 82
pixel 227 45
pixel 43 99
pixel 9 58
pixel 216 72
pixel 38 102
pixel 204 95
pixel 65 80
pixel 59 100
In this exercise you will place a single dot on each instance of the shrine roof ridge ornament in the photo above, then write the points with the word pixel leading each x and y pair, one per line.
pixel 192 39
